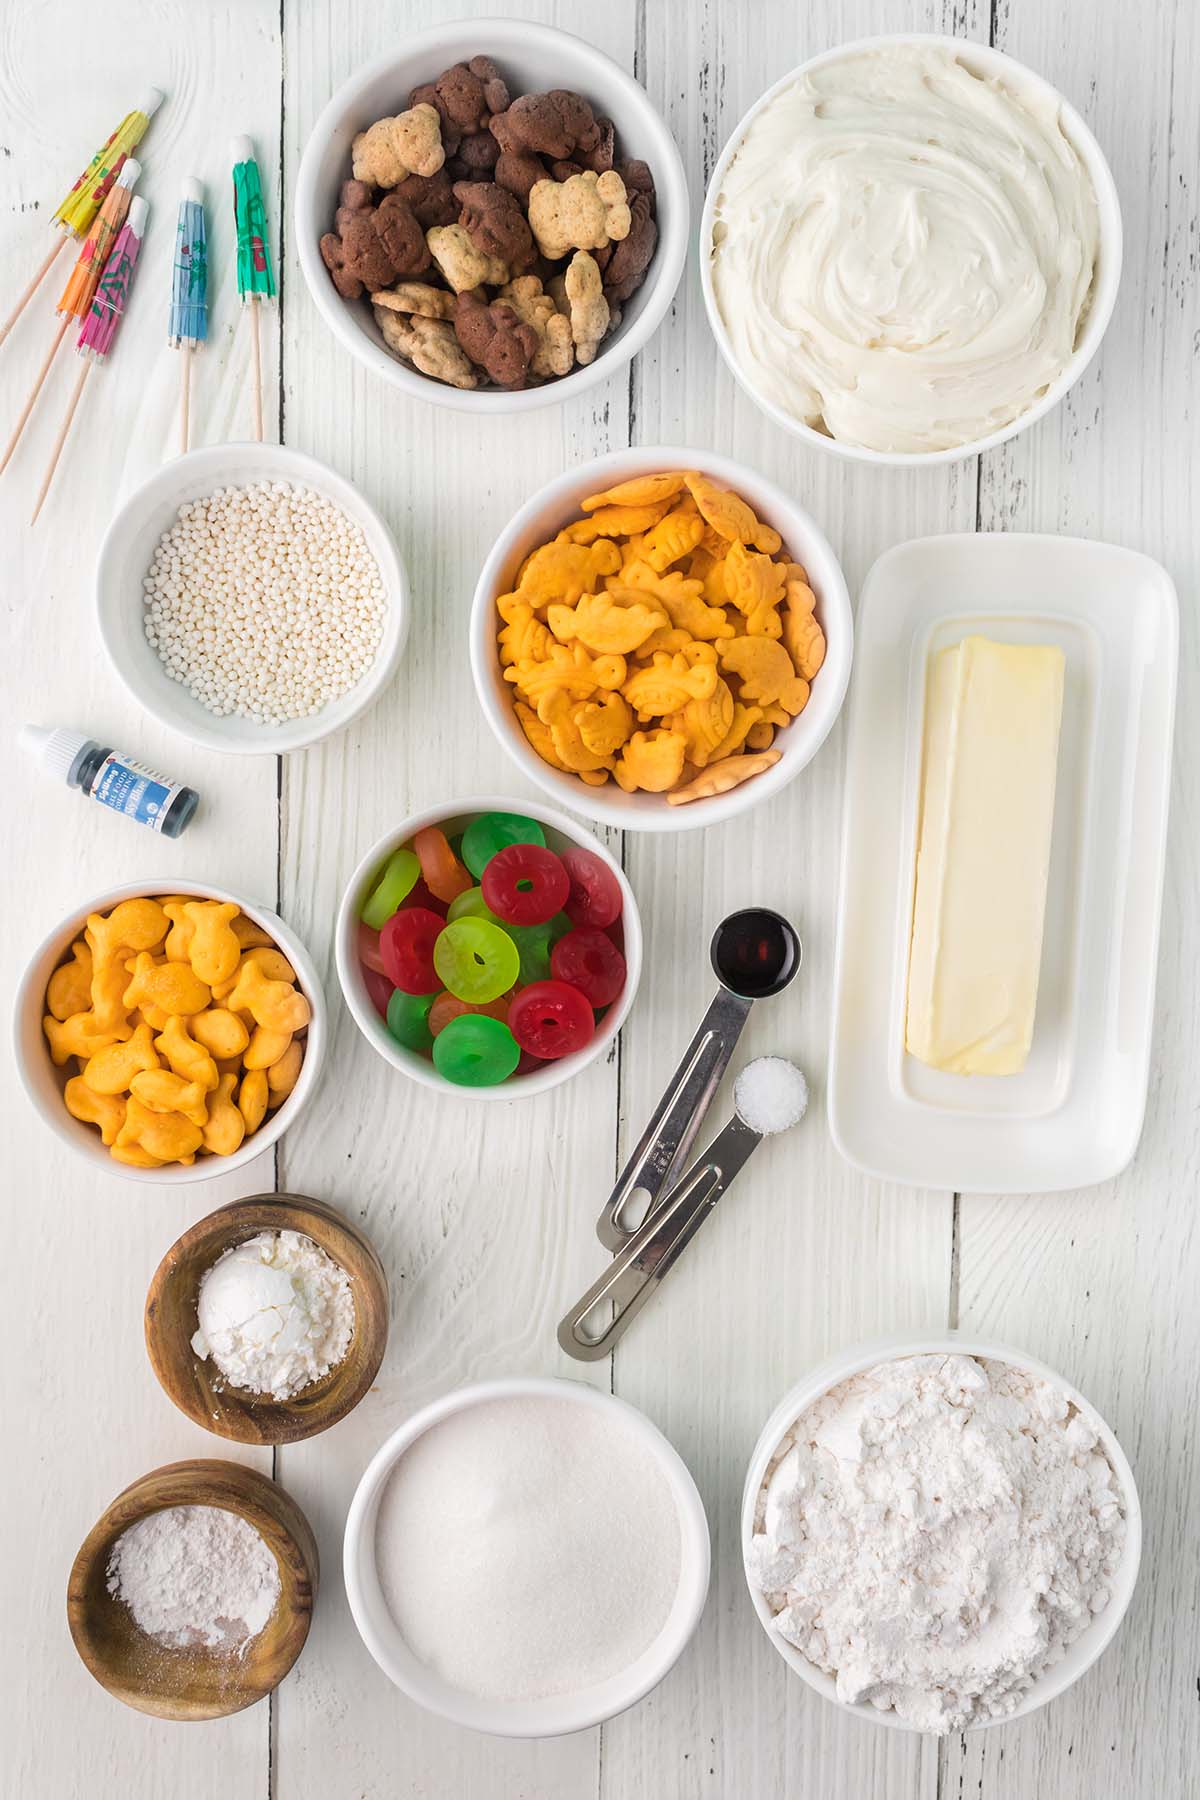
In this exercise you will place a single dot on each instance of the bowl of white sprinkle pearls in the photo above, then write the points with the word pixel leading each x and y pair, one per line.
pixel 251 598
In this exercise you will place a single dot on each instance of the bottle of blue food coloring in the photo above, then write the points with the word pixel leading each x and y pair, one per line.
pixel 115 780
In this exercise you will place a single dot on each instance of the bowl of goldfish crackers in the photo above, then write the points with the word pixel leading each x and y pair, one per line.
pixel 661 639
pixel 170 1036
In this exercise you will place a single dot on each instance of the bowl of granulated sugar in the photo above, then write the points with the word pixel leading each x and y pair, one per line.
pixel 526 1557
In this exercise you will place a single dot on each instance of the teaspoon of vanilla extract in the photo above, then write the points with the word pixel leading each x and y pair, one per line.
pixel 755 954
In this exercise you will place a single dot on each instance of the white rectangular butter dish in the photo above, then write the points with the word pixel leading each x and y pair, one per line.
pixel 1074 1114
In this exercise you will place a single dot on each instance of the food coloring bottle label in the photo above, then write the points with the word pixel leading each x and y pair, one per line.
pixel 136 791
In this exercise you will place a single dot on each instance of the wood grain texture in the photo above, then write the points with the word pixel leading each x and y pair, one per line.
pixel 186 1683
pixel 81 1252
pixel 483 1217
pixel 197 1386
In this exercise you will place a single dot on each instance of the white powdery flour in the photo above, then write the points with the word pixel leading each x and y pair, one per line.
pixel 528 1547
pixel 195 1576
pixel 935 1533
pixel 275 1313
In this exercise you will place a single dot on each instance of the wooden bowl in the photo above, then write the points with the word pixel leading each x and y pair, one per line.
pixel 198 1388
pixel 193 1683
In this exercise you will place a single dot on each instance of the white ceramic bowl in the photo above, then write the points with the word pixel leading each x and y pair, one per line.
pixel 44 1082
pixel 126 554
pixel 1094 1639
pixel 562 1713
pixel 532 58
pixel 555 506
pixel 560 832
pixel 981 60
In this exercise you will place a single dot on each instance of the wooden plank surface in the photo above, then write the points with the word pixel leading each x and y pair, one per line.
pixel 484 1216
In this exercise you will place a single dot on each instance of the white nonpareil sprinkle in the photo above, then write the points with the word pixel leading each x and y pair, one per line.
pixel 935 1533
pixel 195 1577
pixel 770 1095
pixel 275 1314
pixel 264 602
pixel 528 1547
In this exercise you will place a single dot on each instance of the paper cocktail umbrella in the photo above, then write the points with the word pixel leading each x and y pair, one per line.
pixel 100 326
pixel 75 213
pixel 188 327
pixel 83 281
pixel 256 284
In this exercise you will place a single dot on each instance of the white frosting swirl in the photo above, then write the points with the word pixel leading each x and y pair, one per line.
pixel 903 251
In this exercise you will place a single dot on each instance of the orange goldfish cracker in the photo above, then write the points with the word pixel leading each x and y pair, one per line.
pixel 220 1031
pixel 564 571
pixel 729 515
pixel 173 986
pixel 137 1158
pixel 185 1056
pixel 108 997
pixel 719 777
pixel 283 1075
pixel 213 949
pixel 225 1127
pixel 803 638
pixel 755 586
pixel 605 623
pixel 111 1070
pixel 766 673
pixel 80 1035
pixel 252 1099
pixel 105 1110
pixel 617 521
pixel 275 1004
pixel 603 725
pixel 132 926
pixel 672 538
pixel 539 736
pixel 69 989
pixel 266 1047
pixel 178 940
pixel 669 683
pixel 443 874
pixel 652 760
pixel 168 1137
pixel 249 935
pixel 640 490
pixel 164 1092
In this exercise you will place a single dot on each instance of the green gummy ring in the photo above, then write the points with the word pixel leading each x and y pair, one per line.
pixel 491 832
pixel 475 1051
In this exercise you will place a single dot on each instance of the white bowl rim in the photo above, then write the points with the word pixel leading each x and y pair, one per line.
pixel 84 1142
pixel 282 463
pixel 833 599
pixel 854 1361
pixel 666 269
pixel 1109 259
pixel 561 1714
pixel 409 1062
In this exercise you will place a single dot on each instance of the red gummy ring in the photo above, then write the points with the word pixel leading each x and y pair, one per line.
pixel 525 884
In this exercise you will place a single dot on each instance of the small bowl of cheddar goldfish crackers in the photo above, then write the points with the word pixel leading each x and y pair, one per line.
pixel 661 639
pixel 170 1035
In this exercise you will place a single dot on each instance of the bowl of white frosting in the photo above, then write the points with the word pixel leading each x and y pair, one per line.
pixel 910 249
pixel 939 1534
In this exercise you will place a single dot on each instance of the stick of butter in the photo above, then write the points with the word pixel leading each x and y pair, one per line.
pixel 991 751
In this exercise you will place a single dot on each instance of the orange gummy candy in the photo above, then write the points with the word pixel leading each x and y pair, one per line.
pixel 443 874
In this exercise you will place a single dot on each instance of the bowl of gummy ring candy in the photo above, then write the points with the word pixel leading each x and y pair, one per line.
pixel 491 947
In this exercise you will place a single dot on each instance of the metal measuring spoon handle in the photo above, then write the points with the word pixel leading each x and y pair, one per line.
pixel 653 1248
pixel 755 953
pixel 669 1136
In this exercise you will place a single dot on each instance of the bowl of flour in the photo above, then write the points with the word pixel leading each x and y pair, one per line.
pixel 939 1534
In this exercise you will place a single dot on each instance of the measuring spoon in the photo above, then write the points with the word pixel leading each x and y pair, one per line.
pixel 656 1245
pixel 754 954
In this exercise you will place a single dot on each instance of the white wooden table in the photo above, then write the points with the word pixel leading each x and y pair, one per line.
pixel 484 1216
